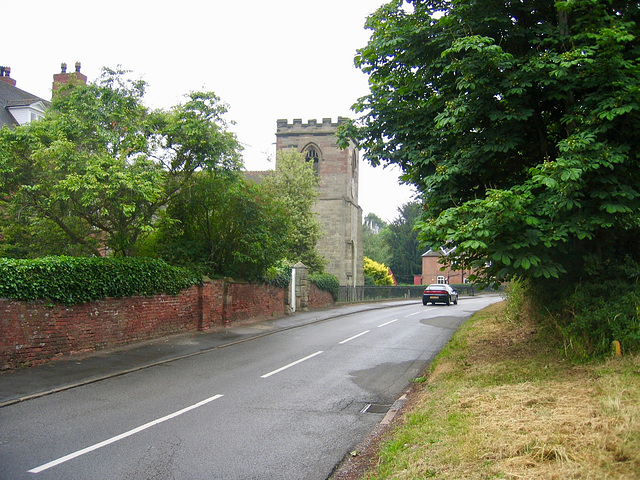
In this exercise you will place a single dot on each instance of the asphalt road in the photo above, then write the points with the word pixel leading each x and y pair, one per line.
pixel 282 406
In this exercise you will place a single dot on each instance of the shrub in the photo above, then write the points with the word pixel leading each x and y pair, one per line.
pixel 326 282
pixel 79 279
pixel 278 275
pixel 596 314
pixel 378 271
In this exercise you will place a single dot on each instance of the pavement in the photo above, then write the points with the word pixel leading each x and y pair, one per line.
pixel 73 371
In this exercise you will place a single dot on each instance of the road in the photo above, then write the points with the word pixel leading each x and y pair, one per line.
pixel 282 406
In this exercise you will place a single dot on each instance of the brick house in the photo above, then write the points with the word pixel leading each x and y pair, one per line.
pixel 432 268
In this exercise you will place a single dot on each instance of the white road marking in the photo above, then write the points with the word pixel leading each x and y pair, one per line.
pixel 387 323
pixel 111 440
pixel 291 364
pixel 355 336
pixel 412 314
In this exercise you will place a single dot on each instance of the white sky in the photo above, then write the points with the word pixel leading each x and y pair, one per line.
pixel 266 59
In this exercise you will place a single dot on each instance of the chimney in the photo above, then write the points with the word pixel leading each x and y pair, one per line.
pixel 5 76
pixel 63 78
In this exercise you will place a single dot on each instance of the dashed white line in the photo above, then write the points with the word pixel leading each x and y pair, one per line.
pixel 355 336
pixel 111 440
pixel 412 314
pixel 266 375
pixel 387 323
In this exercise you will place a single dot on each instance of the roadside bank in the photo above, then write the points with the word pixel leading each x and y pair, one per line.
pixel 501 401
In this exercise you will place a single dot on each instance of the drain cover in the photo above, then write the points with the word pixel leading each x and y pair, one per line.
pixel 376 408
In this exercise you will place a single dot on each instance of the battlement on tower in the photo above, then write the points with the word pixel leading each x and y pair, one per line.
pixel 312 126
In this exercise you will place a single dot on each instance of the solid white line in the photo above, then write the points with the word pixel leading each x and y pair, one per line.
pixel 291 364
pixel 388 323
pixel 121 436
pixel 355 336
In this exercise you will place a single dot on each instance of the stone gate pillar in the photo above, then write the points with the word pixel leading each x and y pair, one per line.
pixel 300 287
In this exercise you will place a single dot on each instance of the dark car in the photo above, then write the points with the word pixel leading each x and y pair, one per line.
pixel 437 293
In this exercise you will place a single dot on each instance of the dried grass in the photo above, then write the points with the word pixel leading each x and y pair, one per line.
pixel 510 407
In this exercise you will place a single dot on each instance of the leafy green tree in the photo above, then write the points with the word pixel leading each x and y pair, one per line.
pixel 374 243
pixel 223 225
pixel 518 123
pixel 404 246
pixel 294 183
pixel 24 234
pixel 101 165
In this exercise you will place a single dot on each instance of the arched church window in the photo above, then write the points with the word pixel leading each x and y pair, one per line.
pixel 311 155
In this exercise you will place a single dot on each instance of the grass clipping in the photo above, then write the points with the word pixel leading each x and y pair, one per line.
pixel 500 402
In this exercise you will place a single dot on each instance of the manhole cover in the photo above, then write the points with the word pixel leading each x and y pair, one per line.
pixel 376 408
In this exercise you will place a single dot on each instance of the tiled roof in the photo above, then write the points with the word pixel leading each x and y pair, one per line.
pixel 11 96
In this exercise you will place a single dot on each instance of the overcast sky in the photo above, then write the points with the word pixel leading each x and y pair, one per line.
pixel 266 59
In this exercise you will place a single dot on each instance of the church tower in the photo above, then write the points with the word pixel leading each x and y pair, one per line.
pixel 339 214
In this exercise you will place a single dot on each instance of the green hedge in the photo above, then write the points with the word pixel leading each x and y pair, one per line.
pixel 327 282
pixel 79 279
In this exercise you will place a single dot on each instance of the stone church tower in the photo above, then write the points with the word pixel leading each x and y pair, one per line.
pixel 337 206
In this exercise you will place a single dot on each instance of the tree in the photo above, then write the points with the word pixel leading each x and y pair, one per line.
pixel 294 183
pixel 100 165
pixel 518 123
pixel 402 240
pixel 374 243
pixel 223 225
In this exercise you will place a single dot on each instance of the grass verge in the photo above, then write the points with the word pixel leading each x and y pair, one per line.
pixel 500 401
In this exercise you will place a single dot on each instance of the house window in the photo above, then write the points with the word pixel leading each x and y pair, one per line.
pixel 441 279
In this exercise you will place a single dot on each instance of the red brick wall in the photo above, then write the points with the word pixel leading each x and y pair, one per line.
pixel 36 332
pixel 246 300
pixel 319 298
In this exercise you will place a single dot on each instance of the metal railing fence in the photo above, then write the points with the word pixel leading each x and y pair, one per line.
pixel 372 293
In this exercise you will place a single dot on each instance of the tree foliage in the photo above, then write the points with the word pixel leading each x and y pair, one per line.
pixel 294 184
pixel 100 165
pixel 518 123
pixel 374 242
pixel 223 225
pixel 404 247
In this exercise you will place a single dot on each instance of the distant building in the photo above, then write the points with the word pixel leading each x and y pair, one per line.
pixel 432 269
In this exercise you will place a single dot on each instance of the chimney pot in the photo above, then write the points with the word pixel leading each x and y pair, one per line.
pixel 64 78
pixel 5 76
